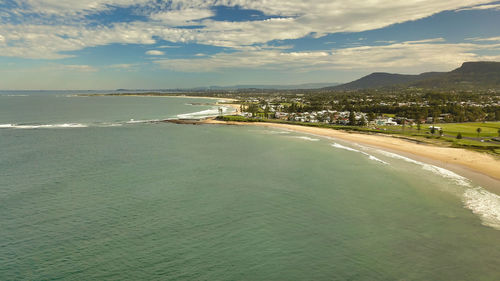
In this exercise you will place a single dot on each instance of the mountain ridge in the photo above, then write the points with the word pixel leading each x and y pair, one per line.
pixel 470 75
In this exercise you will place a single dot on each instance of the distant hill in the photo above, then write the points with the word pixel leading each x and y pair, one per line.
pixel 276 87
pixel 470 75
pixel 383 80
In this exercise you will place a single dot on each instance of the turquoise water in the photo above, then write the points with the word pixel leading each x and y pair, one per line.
pixel 158 201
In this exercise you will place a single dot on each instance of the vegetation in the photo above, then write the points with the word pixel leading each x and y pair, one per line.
pixel 488 129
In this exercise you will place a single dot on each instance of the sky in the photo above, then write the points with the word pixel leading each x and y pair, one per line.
pixel 156 44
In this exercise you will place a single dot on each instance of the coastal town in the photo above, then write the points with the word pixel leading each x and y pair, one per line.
pixel 370 110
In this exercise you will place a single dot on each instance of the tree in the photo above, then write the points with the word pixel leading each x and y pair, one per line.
pixel 266 111
pixel 352 118
pixel 478 130
pixel 362 122
pixel 435 116
pixel 459 136
pixel 371 116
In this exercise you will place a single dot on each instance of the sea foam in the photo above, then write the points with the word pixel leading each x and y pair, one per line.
pixel 202 114
pixel 371 157
pixel 458 179
pixel 481 202
pixel 306 138
pixel 44 126
pixel 484 204
pixel 133 121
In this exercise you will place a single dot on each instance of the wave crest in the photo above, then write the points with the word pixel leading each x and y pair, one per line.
pixel 44 126
pixel 305 138
pixel 371 157
pixel 484 204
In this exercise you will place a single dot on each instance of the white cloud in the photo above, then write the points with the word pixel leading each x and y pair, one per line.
pixel 155 53
pixel 298 19
pixel 182 17
pixel 72 68
pixel 484 39
pixel 420 55
pixel 432 40
pixel 122 66
pixel 168 47
pixel 73 7
pixel 47 42
pixel 481 7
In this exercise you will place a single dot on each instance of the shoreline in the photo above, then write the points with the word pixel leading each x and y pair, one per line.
pixel 156 95
pixel 480 167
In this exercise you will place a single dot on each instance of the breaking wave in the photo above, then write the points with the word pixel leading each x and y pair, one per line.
pixel 133 121
pixel 484 204
pixel 371 157
pixel 205 113
pixel 306 138
pixel 458 179
pixel 43 126
pixel 481 202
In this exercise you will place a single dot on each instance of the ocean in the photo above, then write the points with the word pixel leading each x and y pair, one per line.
pixel 90 189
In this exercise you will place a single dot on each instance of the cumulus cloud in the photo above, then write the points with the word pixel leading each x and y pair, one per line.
pixel 154 53
pixel 73 7
pixel 482 7
pixel 182 17
pixel 296 19
pixel 441 56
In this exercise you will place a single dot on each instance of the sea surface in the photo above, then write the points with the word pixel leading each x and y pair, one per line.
pixel 91 190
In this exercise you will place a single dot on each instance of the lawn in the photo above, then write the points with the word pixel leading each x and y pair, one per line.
pixel 488 130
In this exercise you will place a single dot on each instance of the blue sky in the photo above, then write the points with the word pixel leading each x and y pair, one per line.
pixel 152 44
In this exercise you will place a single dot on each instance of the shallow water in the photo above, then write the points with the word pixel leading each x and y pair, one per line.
pixel 181 202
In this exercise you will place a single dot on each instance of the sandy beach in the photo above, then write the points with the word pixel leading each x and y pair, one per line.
pixel 235 106
pixel 481 167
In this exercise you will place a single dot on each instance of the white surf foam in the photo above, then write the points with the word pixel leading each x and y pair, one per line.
pixel 45 126
pixel 109 125
pixel 371 157
pixel 278 132
pixel 306 138
pixel 344 147
pixel 458 179
pixel 202 114
pixel 484 204
pixel 206 113
pixel 133 121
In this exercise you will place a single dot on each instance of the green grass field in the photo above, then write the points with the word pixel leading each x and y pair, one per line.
pixel 488 130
